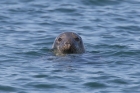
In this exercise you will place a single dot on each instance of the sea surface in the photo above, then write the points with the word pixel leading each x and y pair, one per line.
pixel 111 34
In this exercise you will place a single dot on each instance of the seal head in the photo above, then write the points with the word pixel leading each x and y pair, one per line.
pixel 67 43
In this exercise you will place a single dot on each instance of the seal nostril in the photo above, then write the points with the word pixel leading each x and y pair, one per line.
pixel 67 42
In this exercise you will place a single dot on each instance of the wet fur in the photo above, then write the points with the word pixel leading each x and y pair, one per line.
pixel 68 43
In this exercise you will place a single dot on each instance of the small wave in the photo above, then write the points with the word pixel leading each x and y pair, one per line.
pixel 101 2
pixel 7 88
pixel 44 85
pixel 95 85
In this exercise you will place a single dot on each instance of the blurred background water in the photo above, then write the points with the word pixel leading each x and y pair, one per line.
pixel 111 33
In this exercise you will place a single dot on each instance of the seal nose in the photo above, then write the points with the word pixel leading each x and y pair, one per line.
pixel 67 42
pixel 67 45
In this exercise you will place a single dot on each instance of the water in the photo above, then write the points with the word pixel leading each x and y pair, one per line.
pixel 111 33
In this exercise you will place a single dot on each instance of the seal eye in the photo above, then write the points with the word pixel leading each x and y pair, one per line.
pixel 59 39
pixel 77 39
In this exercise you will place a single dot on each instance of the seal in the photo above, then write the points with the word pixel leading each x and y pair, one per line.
pixel 68 43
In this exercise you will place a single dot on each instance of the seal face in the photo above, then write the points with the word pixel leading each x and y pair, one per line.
pixel 67 43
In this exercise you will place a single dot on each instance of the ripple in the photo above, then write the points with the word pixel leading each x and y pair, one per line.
pixel 64 10
pixel 127 53
pixel 7 88
pixel 32 53
pixel 101 2
pixel 110 31
pixel 40 76
pixel 129 27
pixel 95 85
pixel 120 81
pixel 44 86
pixel 48 86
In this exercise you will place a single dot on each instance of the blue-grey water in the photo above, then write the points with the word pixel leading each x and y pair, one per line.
pixel 111 33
